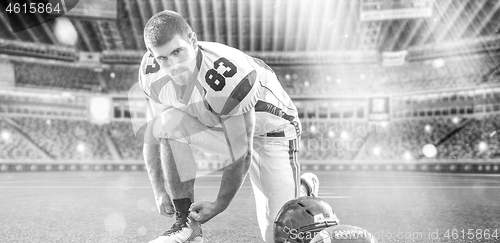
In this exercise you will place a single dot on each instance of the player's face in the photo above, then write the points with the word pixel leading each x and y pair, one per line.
pixel 177 58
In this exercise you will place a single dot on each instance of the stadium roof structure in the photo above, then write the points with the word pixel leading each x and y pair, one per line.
pixel 283 25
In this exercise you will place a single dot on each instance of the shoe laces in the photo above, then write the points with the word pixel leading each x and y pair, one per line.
pixel 181 222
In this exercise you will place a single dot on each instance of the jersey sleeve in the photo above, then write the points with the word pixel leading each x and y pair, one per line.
pixel 152 85
pixel 232 85
pixel 153 81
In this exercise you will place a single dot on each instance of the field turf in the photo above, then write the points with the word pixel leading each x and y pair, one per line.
pixel 119 207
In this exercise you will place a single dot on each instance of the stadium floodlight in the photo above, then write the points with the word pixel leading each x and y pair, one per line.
pixel 312 129
pixel 407 155
pixel 429 150
pixel 65 32
pixel 100 109
pixel 438 63
pixel 331 134
pixel 80 148
pixel 483 146
pixel 344 135
pixel 5 135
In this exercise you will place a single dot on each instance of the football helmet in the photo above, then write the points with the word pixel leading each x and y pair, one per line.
pixel 300 219
pixel 344 234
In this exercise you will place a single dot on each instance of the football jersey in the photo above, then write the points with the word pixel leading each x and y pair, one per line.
pixel 226 82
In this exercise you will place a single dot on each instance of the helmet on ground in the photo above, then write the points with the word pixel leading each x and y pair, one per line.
pixel 300 219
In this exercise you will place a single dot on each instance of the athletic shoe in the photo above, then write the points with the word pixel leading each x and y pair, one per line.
pixel 184 230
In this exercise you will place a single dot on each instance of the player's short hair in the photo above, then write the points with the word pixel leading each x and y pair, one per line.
pixel 163 26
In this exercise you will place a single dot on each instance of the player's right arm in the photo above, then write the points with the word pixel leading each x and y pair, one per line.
pixel 151 148
pixel 151 153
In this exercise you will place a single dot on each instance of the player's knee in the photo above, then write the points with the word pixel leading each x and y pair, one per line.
pixel 178 133
pixel 171 124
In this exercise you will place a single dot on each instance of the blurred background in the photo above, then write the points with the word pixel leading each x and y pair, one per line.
pixel 379 84
pixel 398 99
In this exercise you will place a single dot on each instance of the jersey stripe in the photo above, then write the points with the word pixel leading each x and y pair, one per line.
pixel 192 79
pixel 272 109
pixel 239 93
pixel 292 156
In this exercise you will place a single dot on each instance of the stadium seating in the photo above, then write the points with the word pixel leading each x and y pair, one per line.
pixel 404 139
pixel 29 74
pixel 401 139
pixel 66 139
pixel 297 80
pixel 14 146
pixel 120 78
pixel 471 138
pixel 123 136
pixel 478 140
pixel 332 140
pixel 418 75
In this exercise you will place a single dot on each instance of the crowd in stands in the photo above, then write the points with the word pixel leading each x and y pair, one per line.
pixel 30 74
pixel 66 139
pixel 469 138
pixel 14 146
pixel 323 140
pixel 442 73
pixel 120 78
pixel 478 140
pixel 296 79
pixel 123 136
pixel 421 75
pixel 404 139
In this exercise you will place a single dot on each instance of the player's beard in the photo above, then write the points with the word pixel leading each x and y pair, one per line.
pixel 181 75
pixel 182 72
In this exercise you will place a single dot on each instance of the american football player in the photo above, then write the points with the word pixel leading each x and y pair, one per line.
pixel 221 101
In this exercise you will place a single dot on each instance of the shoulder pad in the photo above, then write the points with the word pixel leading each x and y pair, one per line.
pixel 151 78
pixel 229 79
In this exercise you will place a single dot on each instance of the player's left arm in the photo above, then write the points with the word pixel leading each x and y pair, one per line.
pixel 239 132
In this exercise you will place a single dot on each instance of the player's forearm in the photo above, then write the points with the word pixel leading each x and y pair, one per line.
pixel 233 177
pixel 152 162
pixel 239 132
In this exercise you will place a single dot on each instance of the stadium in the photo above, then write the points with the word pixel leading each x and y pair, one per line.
pixel 398 101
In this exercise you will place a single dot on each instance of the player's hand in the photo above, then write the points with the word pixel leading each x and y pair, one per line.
pixel 203 211
pixel 164 205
